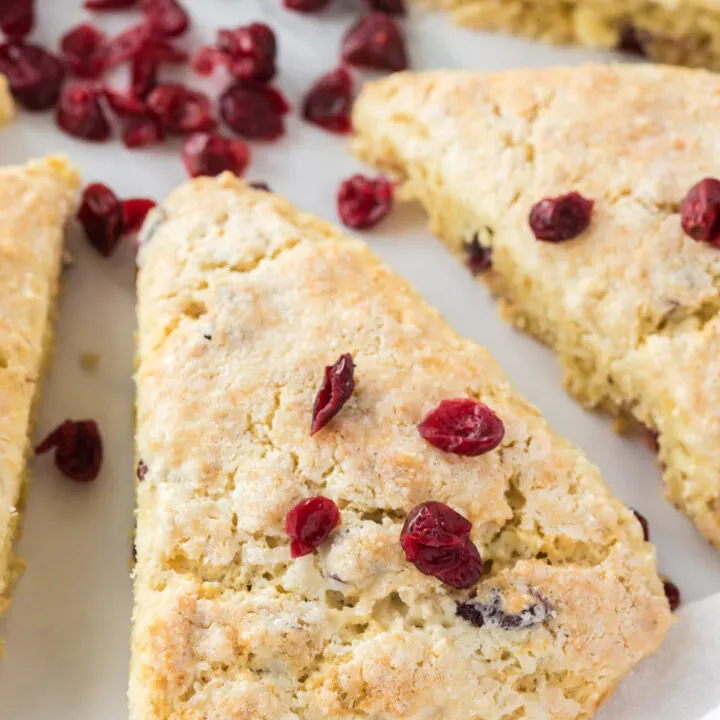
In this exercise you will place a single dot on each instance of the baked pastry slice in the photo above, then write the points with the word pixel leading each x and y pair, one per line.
pixel 35 201
pixel 243 302
pixel 631 304
pixel 682 32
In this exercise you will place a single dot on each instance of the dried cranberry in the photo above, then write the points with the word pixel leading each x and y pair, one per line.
pixel 492 613
pixel 180 110
pixel 672 593
pixel 375 41
pixel 83 48
pixel 35 76
pixel 134 212
pixel 700 212
pixel 335 391
pixel 207 154
pixel 362 202
pixel 632 41
pixel 643 524
pixel 166 17
pixel 206 59
pixel 251 52
pixel 479 257
pixel 78 449
pixel 123 104
pixel 462 427
pixel 17 18
pixel 143 74
pixel 306 5
pixel 436 539
pixel 254 112
pixel 101 216
pixel 329 100
pixel 127 44
pixel 309 523
pixel 389 7
pixel 560 218
pixel 101 5
pixel 141 471
pixel 141 131
pixel 80 114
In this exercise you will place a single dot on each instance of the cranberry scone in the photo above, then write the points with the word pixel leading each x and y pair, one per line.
pixel 585 193
pixel 678 32
pixel 344 509
pixel 35 201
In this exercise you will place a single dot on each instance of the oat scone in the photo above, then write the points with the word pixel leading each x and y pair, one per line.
pixel 243 301
pixel 631 305
pixel 678 32
pixel 35 201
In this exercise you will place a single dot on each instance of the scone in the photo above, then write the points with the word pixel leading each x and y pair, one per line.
pixel 631 305
pixel 681 32
pixel 246 307
pixel 35 201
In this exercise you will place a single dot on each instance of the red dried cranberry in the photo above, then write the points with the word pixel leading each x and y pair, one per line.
pixel 180 110
pixel 78 449
pixel 101 5
pixel 251 52
pixel 335 391
pixel 306 5
pixel 101 216
pixel 462 427
pixel 362 203
pixel 479 257
pixel 83 48
pixel 672 593
pixel 436 539
pixel 141 471
pixel 123 104
pixel 389 7
pixel 127 44
pixel 141 131
pixel 206 59
pixel 166 17
pixel 643 524
pixel 143 74
pixel 207 154
pixel 134 212
pixel 561 218
pixel 80 114
pixel 700 212
pixel 375 41
pixel 309 523
pixel 329 100
pixel 34 75
pixel 254 112
pixel 17 18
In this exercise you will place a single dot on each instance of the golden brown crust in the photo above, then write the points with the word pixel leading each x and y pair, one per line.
pixel 242 302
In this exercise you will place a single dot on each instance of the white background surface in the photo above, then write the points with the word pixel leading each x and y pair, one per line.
pixel 67 631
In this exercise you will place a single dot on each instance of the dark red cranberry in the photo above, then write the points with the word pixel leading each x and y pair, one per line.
pixel 123 104
pixel 127 44
pixel 80 114
pixel 389 7
pixel 166 17
pixel 101 216
pixel 206 59
pixel 180 110
pixel 143 74
pixel 436 539
pixel 561 218
pixel 672 593
pixel 17 18
pixel 134 212
pixel 310 523
pixel 254 112
pixel 462 427
pixel 208 154
pixel 83 48
pixel 262 186
pixel 163 51
pixel 478 257
pixel 251 52
pixel 35 76
pixel 335 391
pixel 700 212
pixel 101 5
pixel 632 41
pixel 141 131
pixel 141 471
pixel 306 5
pixel 329 100
pixel 375 41
pixel 643 524
pixel 492 612
pixel 362 202
pixel 78 449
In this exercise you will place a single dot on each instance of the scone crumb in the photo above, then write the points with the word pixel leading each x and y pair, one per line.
pixel 89 361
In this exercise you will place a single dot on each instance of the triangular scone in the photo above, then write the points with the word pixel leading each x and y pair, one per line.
pixel 630 306
pixel 682 32
pixel 243 301
pixel 35 201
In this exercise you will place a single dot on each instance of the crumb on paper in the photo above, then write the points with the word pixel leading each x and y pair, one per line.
pixel 622 426
pixel 89 361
